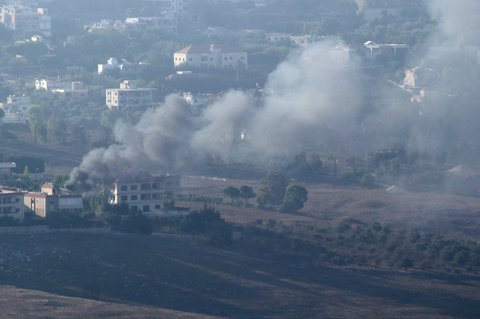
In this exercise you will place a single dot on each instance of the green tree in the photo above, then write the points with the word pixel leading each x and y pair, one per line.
pixel 232 192
pixel 77 136
pixel 35 122
pixel 295 198
pixel 246 192
pixel 273 191
pixel 55 131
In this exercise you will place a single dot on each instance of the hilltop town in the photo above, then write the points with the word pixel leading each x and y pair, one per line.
pixel 239 158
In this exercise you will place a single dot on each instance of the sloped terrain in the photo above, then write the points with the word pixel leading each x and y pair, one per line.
pixel 148 276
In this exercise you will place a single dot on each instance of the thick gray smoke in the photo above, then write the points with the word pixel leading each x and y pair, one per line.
pixel 160 140
pixel 312 101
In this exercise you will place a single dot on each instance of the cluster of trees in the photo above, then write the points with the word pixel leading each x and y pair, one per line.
pixel 354 243
pixel 277 194
pixel 245 192
pixel 206 222
pixel 124 219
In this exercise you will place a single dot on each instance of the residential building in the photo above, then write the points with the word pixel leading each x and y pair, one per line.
pixel 277 38
pixel 199 99
pixel 6 168
pixel 62 88
pixel 16 109
pixel 375 52
pixel 105 25
pixel 54 84
pixel 51 199
pixel 164 23
pixel 177 7
pixel 128 96
pixel 76 89
pixel 305 40
pixel 144 192
pixel 211 56
pixel 26 21
pixel 112 64
pixel 124 65
pixel 11 204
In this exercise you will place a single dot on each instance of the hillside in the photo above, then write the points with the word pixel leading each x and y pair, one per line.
pixel 160 273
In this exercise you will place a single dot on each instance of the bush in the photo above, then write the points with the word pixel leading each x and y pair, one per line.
pixel 123 219
pixel 59 220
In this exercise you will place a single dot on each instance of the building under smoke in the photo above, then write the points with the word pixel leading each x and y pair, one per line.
pixel 148 194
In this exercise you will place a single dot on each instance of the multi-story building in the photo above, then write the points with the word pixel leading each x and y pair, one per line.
pixel 278 38
pixel 6 168
pixel 145 193
pixel 51 199
pixel 49 85
pixel 128 96
pixel 26 21
pixel 16 109
pixel 375 51
pixel 211 56
pixel 164 23
pixel 62 88
pixel 11 204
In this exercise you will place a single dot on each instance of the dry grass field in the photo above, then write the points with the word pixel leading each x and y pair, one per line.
pixel 443 213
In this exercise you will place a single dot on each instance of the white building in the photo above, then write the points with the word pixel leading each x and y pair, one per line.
pixel 128 96
pixel 198 100
pixel 145 193
pixel 49 85
pixel 16 109
pixel 11 204
pixel 7 167
pixel 211 55
pixel 26 21
pixel 277 38
pixel 62 88
pixel 374 51
pixel 112 64
pixel 305 40
pixel 164 23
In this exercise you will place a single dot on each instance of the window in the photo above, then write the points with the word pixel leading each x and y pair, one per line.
pixel 134 197
pixel 124 198
pixel 133 187
pixel 124 188
pixel 157 207
pixel 146 196
pixel 146 208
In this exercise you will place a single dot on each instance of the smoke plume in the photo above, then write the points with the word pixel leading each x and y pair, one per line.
pixel 311 101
